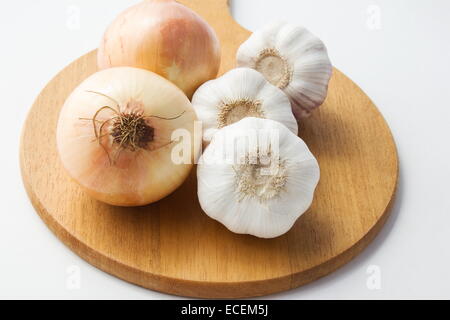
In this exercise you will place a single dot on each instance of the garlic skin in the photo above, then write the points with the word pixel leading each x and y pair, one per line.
pixel 241 92
pixel 293 59
pixel 255 190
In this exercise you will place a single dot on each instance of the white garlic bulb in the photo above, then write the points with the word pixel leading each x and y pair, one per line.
pixel 240 93
pixel 293 59
pixel 257 177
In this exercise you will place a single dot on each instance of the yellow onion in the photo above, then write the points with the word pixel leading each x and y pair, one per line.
pixel 115 136
pixel 165 37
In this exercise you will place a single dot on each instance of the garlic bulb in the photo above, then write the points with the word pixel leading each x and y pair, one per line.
pixel 257 177
pixel 294 60
pixel 115 136
pixel 240 93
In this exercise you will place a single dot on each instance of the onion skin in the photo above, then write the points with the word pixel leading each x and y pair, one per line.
pixel 165 37
pixel 135 178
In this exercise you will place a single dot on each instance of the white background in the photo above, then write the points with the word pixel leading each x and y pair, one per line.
pixel 402 62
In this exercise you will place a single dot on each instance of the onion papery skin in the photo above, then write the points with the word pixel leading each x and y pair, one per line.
pixel 164 37
pixel 125 178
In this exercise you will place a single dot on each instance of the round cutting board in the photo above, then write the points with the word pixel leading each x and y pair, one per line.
pixel 172 246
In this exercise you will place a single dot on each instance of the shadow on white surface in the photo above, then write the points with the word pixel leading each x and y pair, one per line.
pixel 358 263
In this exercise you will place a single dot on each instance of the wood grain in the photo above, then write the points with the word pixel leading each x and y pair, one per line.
pixel 173 247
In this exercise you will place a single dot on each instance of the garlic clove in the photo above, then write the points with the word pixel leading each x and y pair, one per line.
pixel 240 93
pixel 293 59
pixel 257 177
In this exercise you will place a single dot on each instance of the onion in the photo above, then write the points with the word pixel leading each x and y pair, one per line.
pixel 165 37
pixel 114 136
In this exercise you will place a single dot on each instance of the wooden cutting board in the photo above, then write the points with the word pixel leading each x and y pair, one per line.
pixel 172 246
